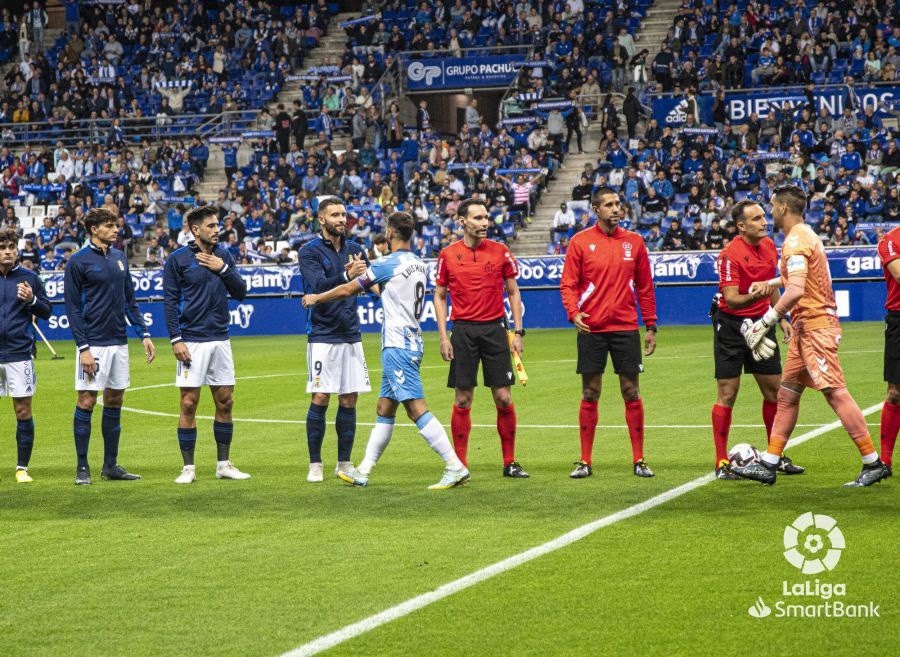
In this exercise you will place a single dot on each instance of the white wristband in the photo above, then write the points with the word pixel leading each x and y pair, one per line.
pixel 771 317
pixel 775 282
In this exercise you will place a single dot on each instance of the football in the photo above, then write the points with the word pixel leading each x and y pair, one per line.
pixel 743 454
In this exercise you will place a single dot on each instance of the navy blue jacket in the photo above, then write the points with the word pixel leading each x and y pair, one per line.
pixel 100 298
pixel 16 332
pixel 322 268
pixel 196 298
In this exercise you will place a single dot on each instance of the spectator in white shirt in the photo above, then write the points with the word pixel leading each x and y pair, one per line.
pixel 456 185
pixel 563 220
pixel 65 168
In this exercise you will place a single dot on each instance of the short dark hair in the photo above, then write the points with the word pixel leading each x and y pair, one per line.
pixel 462 209
pixel 600 192
pixel 737 212
pixel 326 203
pixel 793 197
pixel 196 216
pixel 9 236
pixel 97 216
pixel 379 239
pixel 403 223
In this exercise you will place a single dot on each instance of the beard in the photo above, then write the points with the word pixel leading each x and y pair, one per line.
pixel 333 231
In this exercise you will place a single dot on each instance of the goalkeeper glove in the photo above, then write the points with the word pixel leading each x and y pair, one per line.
pixel 755 335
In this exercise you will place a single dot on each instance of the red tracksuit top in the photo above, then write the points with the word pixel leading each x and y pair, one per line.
pixel 601 276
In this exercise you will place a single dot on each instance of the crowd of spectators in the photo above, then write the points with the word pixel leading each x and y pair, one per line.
pixel 149 59
pixel 396 164
pixel 718 44
pixel 155 60
pixel 680 184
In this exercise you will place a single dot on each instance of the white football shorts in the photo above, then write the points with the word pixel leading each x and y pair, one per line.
pixel 112 369
pixel 336 368
pixel 18 379
pixel 211 365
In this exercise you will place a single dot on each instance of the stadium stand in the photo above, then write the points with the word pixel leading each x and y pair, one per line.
pixel 260 108
pixel 685 179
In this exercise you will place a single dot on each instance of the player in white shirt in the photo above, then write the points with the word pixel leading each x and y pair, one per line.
pixel 402 276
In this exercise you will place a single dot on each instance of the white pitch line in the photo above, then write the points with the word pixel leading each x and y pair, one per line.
pixel 303 374
pixel 431 367
pixel 141 411
pixel 353 630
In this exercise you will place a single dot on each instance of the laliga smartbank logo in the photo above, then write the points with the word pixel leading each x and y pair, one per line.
pixel 813 544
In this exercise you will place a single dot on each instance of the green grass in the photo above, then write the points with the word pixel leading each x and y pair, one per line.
pixel 259 567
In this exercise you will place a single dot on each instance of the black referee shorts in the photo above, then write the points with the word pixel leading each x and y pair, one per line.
pixel 480 342
pixel 623 346
pixel 731 353
pixel 892 348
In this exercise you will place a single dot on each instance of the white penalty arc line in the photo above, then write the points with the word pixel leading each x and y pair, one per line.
pixel 354 630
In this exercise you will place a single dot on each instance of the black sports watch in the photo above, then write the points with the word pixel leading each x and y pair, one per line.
pixel 652 327
pixel 520 332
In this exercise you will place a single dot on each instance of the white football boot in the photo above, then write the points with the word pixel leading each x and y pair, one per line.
pixel 188 475
pixel 227 470
pixel 315 473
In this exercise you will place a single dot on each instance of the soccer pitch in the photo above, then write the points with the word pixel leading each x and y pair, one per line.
pixel 263 566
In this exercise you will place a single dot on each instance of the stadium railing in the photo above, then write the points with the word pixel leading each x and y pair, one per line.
pixel 135 130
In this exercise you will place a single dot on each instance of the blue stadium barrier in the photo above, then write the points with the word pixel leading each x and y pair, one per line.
pixel 685 285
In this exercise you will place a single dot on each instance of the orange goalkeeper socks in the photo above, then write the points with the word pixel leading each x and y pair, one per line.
pixel 784 422
pixel 853 421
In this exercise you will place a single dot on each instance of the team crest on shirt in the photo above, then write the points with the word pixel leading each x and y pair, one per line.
pixel 489 268
pixel 626 246
pixel 592 247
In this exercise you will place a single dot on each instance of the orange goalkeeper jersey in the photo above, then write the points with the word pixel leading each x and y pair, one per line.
pixel 803 252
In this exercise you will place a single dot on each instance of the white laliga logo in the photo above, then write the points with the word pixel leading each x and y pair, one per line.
pixel 821 534
pixel 418 71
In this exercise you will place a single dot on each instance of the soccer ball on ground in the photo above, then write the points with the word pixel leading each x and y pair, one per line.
pixel 743 455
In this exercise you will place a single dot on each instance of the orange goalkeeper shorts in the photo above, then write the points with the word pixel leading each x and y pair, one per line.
pixel 812 360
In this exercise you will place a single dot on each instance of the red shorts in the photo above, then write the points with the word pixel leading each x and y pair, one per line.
pixel 812 360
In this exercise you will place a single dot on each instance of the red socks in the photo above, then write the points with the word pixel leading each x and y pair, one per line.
pixel 506 427
pixel 461 427
pixel 634 418
pixel 890 424
pixel 768 412
pixel 587 426
pixel 721 424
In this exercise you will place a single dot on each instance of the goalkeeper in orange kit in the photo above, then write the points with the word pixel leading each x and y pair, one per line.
pixel 812 359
